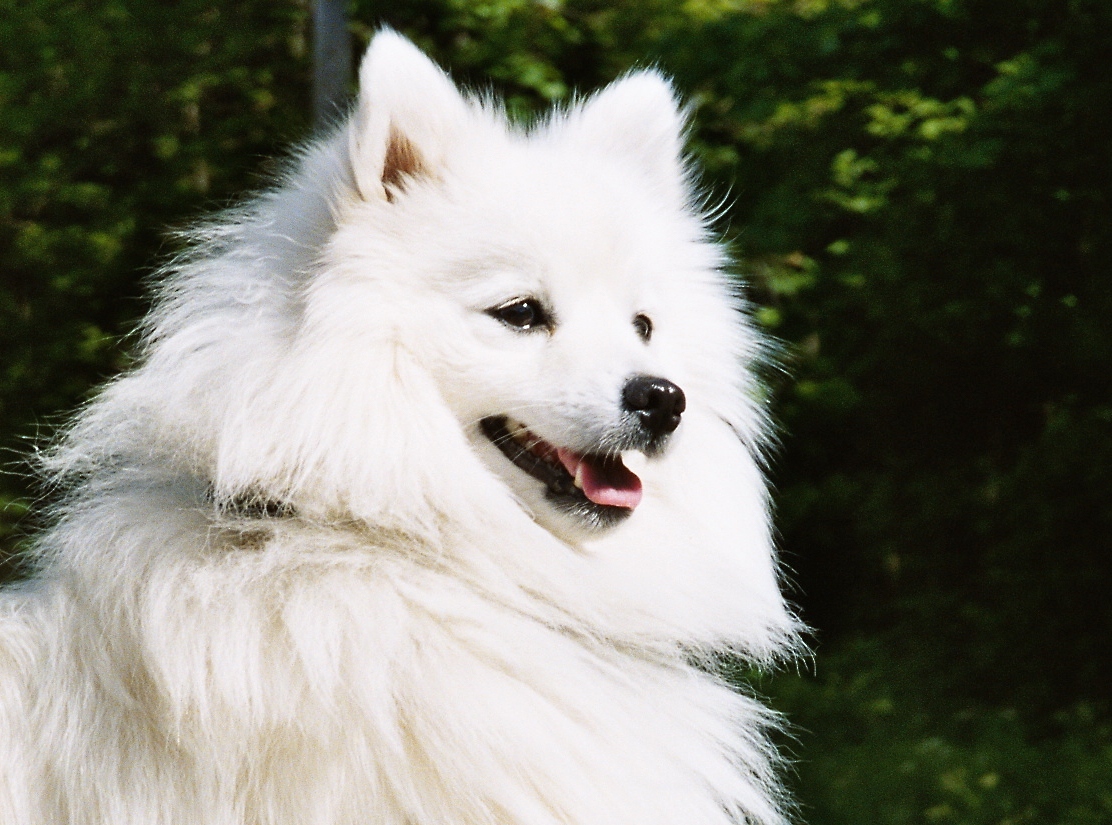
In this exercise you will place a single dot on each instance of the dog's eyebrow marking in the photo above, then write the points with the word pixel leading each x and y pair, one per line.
pixel 402 161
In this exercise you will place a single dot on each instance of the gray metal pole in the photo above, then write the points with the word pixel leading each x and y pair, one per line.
pixel 331 60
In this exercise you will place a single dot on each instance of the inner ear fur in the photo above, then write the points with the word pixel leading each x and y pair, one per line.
pixel 402 161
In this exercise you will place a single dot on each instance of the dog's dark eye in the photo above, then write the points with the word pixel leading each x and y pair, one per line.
pixel 644 326
pixel 523 314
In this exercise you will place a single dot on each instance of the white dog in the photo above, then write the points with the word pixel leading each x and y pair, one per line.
pixel 434 499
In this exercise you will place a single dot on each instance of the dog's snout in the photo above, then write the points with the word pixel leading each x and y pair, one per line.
pixel 657 402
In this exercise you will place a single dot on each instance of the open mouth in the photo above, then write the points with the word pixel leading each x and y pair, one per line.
pixel 596 487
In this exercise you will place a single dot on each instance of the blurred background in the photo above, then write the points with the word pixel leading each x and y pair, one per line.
pixel 919 203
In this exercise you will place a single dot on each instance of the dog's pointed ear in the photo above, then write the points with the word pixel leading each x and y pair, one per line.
pixel 407 116
pixel 637 118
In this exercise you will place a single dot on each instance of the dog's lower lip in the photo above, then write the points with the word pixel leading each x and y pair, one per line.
pixel 496 428
pixel 553 466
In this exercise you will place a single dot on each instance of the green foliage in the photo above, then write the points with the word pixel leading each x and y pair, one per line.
pixel 873 744
pixel 921 203
pixel 117 119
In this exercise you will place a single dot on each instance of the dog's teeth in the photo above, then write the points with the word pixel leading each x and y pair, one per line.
pixel 578 481
pixel 635 461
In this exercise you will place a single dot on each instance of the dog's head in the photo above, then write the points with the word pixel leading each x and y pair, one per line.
pixel 555 282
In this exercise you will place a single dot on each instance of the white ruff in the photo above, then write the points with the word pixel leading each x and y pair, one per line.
pixel 292 581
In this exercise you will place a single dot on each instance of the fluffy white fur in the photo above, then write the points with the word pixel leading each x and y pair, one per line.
pixel 293 582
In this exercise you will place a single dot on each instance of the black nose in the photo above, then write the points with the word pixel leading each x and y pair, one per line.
pixel 656 401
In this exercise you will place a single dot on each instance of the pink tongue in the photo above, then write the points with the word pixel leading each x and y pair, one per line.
pixel 609 483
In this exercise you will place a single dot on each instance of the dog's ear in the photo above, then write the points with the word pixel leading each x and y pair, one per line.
pixel 636 118
pixel 407 116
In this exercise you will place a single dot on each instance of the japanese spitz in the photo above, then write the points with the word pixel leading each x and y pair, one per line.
pixel 434 499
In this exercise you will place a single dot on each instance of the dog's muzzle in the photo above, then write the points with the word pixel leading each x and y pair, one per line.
pixel 595 485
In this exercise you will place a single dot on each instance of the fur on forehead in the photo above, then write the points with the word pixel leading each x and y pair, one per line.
pixel 412 122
